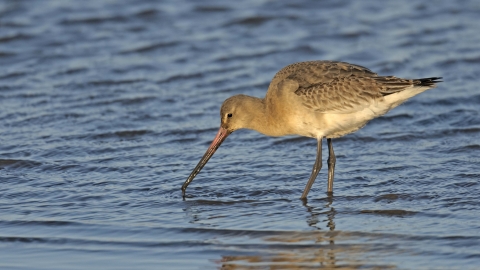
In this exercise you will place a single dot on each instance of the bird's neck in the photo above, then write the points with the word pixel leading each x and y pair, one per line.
pixel 261 118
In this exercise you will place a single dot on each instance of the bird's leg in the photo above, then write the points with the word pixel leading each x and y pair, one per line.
pixel 316 168
pixel 331 165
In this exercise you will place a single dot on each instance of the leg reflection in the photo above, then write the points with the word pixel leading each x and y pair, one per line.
pixel 317 217
pixel 331 213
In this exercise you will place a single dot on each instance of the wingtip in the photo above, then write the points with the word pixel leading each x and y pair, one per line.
pixel 431 81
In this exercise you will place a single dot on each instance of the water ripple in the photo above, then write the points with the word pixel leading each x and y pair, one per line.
pixel 107 106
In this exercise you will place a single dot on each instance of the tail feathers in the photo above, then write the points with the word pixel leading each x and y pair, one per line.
pixel 427 81
pixel 390 84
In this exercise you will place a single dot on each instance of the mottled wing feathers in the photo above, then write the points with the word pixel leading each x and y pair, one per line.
pixel 345 94
pixel 314 72
pixel 327 86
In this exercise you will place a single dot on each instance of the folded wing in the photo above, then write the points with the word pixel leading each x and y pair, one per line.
pixel 338 87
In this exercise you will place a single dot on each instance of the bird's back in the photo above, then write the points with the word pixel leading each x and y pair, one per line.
pixel 329 86
pixel 321 71
pixel 328 93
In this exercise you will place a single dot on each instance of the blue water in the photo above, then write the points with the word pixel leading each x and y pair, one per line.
pixel 107 106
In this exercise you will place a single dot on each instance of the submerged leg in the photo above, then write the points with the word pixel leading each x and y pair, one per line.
pixel 316 168
pixel 331 165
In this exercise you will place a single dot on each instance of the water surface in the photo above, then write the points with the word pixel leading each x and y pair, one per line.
pixel 107 106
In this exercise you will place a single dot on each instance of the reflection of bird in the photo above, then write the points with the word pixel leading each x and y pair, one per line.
pixel 318 99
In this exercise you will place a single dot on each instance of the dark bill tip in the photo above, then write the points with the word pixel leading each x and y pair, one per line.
pixel 222 134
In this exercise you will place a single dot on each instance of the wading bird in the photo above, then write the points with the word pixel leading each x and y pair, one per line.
pixel 317 99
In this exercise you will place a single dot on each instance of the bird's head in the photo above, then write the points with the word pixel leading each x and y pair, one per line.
pixel 237 112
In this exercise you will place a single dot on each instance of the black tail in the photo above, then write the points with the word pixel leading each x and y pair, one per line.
pixel 427 81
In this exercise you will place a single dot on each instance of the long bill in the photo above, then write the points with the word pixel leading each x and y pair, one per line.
pixel 222 134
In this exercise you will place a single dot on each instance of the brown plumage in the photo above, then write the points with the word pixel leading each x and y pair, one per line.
pixel 318 99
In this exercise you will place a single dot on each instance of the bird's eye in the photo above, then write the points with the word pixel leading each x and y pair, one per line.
pixel 229 115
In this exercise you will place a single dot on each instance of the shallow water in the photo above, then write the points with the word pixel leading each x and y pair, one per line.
pixel 107 106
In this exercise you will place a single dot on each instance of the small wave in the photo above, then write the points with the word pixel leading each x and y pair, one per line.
pixel 247 55
pixel 356 137
pixel 72 71
pixel 121 134
pixel 474 176
pixel 184 132
pixel 147 13
pixel 150 47
pixel 15 37
pixel 94 20
pixel 211 9
pixel 116 82
pixel 293 140
pixel 392 212
pixel 181 77
pixel 131 133
pixel 464 184
pixel 394 168
pixel 453 61
pixel 354 34
pixel 451 131
pixel 6 54
pixel 415 42
pixel 387 197
pixel 37 223
pixel 12 75
pixel 125 101
pixel 17 163
pixel 463 149
pixel 183 140
pixel 252 21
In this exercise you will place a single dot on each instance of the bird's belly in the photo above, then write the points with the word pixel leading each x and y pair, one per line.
pixel 334 125
pixel 339 125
